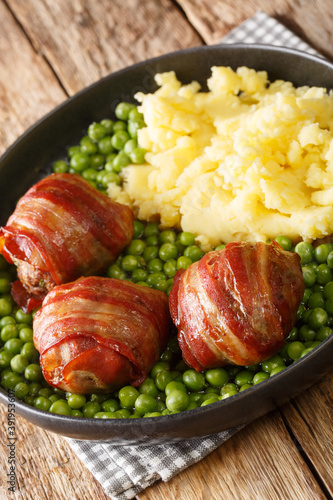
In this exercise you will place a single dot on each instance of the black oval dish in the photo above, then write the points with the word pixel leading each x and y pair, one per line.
pixel 31 157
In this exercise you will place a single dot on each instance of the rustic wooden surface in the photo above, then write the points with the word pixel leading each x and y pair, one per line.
pixel 50 49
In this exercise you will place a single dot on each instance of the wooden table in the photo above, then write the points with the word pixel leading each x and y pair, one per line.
pixel 49 50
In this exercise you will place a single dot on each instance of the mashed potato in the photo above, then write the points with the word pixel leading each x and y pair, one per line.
pixel 248 159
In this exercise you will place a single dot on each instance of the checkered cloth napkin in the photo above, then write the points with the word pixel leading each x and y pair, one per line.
pixel 125 471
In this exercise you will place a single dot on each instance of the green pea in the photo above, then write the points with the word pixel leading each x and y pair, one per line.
pixel 183 262
pixel 162 379
pixel 90 408
pixel 151 229
pixel 243 377
pixel 272 363
pixel 123 109
pixel 88 146
pixel 306 351
pixel 306 333
pixel 33 373
pixel 136 247
pixel 5 359
pixel 158 367
pixel 305 251
pixel 324 274
pixel 114 271
pixel 139 275
pixel 170 268
pixel 7 320
pixel 21 390
pixel 293 335
pixel 150 253
pixel 193 252
pixel 276 370
pixel 295 349
pixel 60 407
pixel 174 386
pixel 152 240
pixel 145 403
pixel 76 401
pixel 330 260
pixel 9 331
pixel 108 125
pixel 194 381
pixel 79 162
pixel 168 251
pixel 120 161
pixel 44 404
pixel 96 131
pixel 46 392
pixel 19 363
pixel 284 242
pixel 29 351
pixel 260 377
pixel 105 146
pixel 6 306
pixel 137 155
pixel 26 334
pixel 5 285
pixel 34 388
pixel 127 396
pixel 217 377
pixel 13 345
pixel 317 318
pixel 148 386
pixel 244 387
pixel 309 276
pixel 60 167
pixel 129 263
pixel 119 139
pixel 110 405
pixel 316 299
pixel 322 333
pixel 155 277
pixel 321 252
pixel 138 228
pixel 177 400
pixel 90 174
pixel 134 126
pixel 11 379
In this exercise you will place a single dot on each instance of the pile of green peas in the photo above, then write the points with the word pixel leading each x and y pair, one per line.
pixel 108 147
pixel 152 259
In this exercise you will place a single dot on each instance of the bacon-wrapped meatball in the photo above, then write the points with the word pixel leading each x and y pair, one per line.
pixel 98 334
pixel 61 229
pixel 236 305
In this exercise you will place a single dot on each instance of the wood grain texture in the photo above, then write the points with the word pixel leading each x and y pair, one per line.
pixel 310 418
pixel 311 20
pixel 24 94
pixel 46 467
pixel 260 462
pixel 85 40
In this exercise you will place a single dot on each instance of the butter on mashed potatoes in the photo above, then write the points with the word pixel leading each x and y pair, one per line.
pixel 248 159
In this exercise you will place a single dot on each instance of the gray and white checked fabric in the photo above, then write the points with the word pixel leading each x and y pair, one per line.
pixel 125 471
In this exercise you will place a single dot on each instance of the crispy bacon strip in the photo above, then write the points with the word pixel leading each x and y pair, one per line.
pixel 236 305
pixel 61 229
pixel 98 334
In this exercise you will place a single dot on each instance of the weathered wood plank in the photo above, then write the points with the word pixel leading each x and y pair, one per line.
pixel 310 417
pixel 28 88
pixel 46 467
pixel 84 41
pixel 311 21
pixel 259 462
